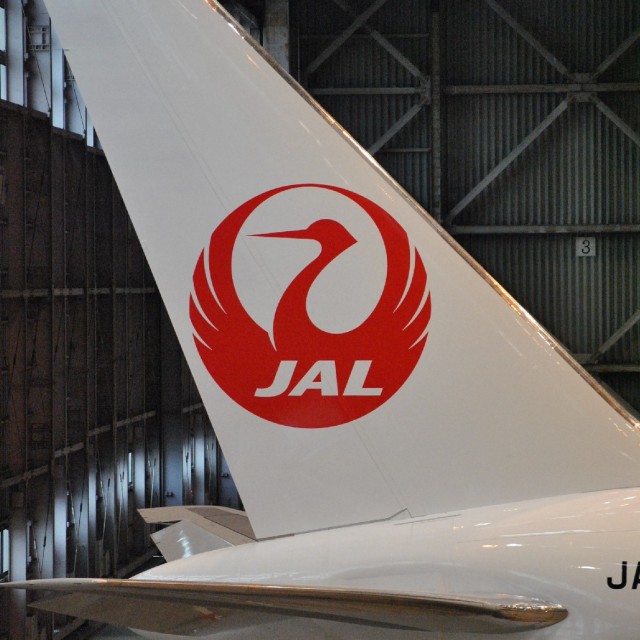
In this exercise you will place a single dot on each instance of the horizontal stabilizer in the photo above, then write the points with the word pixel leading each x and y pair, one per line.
pixel 185 539
pixel 197 529
pixel 191 607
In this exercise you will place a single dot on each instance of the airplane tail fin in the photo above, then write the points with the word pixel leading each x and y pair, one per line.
pixel 356 363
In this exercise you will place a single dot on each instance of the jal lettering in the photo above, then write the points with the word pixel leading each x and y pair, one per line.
pixel 624 578
pixel 321 376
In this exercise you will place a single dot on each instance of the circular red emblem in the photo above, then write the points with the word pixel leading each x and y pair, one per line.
pixel 295 373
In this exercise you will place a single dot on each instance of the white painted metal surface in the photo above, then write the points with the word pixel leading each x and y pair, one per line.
pixel 562 549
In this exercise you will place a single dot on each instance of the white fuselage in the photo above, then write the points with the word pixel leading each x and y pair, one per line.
pixel 566 550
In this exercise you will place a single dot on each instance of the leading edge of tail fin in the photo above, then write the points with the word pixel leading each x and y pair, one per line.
pixel 355 362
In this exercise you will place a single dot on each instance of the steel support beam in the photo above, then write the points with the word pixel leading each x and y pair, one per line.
pixel 58 64
pixel 507 161
pixel 368 91
pixel 60 510
pixel 617 335
pixel 40 492
pixel 616 54
pixel 92 508
pixel 139 481
pixel 16 49
pixel 613 368
pixel 617 120
pixel 359 21
pixel 77 292
pixel 79 561
pixel 171 397
pixel 276 31
pixel 397 126
pixel 528 37
pixel 562 87
pixel 387 46
pixel 199 487
pixel 525 229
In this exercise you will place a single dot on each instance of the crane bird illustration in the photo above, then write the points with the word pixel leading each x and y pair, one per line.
pixel 307 377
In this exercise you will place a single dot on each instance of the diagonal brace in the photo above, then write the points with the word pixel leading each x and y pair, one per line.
pixel 616 119
pixel 344 36
pixel 386 45
pixel 528 37
pixel 398 125
pixel 507 160
pixel 615 55
pixel 607 344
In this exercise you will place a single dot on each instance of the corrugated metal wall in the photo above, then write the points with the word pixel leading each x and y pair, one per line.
pixel 92 381
pixel 529 142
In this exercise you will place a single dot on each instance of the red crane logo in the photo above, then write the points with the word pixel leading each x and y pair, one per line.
pixel 300 375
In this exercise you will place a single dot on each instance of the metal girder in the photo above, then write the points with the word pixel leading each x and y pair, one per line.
pixel 617 120
pixel 523 229
pixel 12 294
pixel 582 87
pixel 507 160
pixel 613 368
pixel 360 23
pixel 617 335
pixel 528 37
pixel 367 91
pixel 568 87
pixel 397 126
pixel 616 54
pixel 387 46
pixel 344 36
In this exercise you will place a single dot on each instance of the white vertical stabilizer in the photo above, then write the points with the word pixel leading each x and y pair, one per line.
pixel 404 380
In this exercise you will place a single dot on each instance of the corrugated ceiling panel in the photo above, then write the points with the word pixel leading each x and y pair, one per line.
pixel 377 78
pixel 581 170
pixel 481 48
pixel 581 300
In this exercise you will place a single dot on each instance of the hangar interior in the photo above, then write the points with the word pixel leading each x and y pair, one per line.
pixel 515 123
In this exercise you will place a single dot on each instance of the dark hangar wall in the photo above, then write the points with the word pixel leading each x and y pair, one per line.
pixel 515 122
